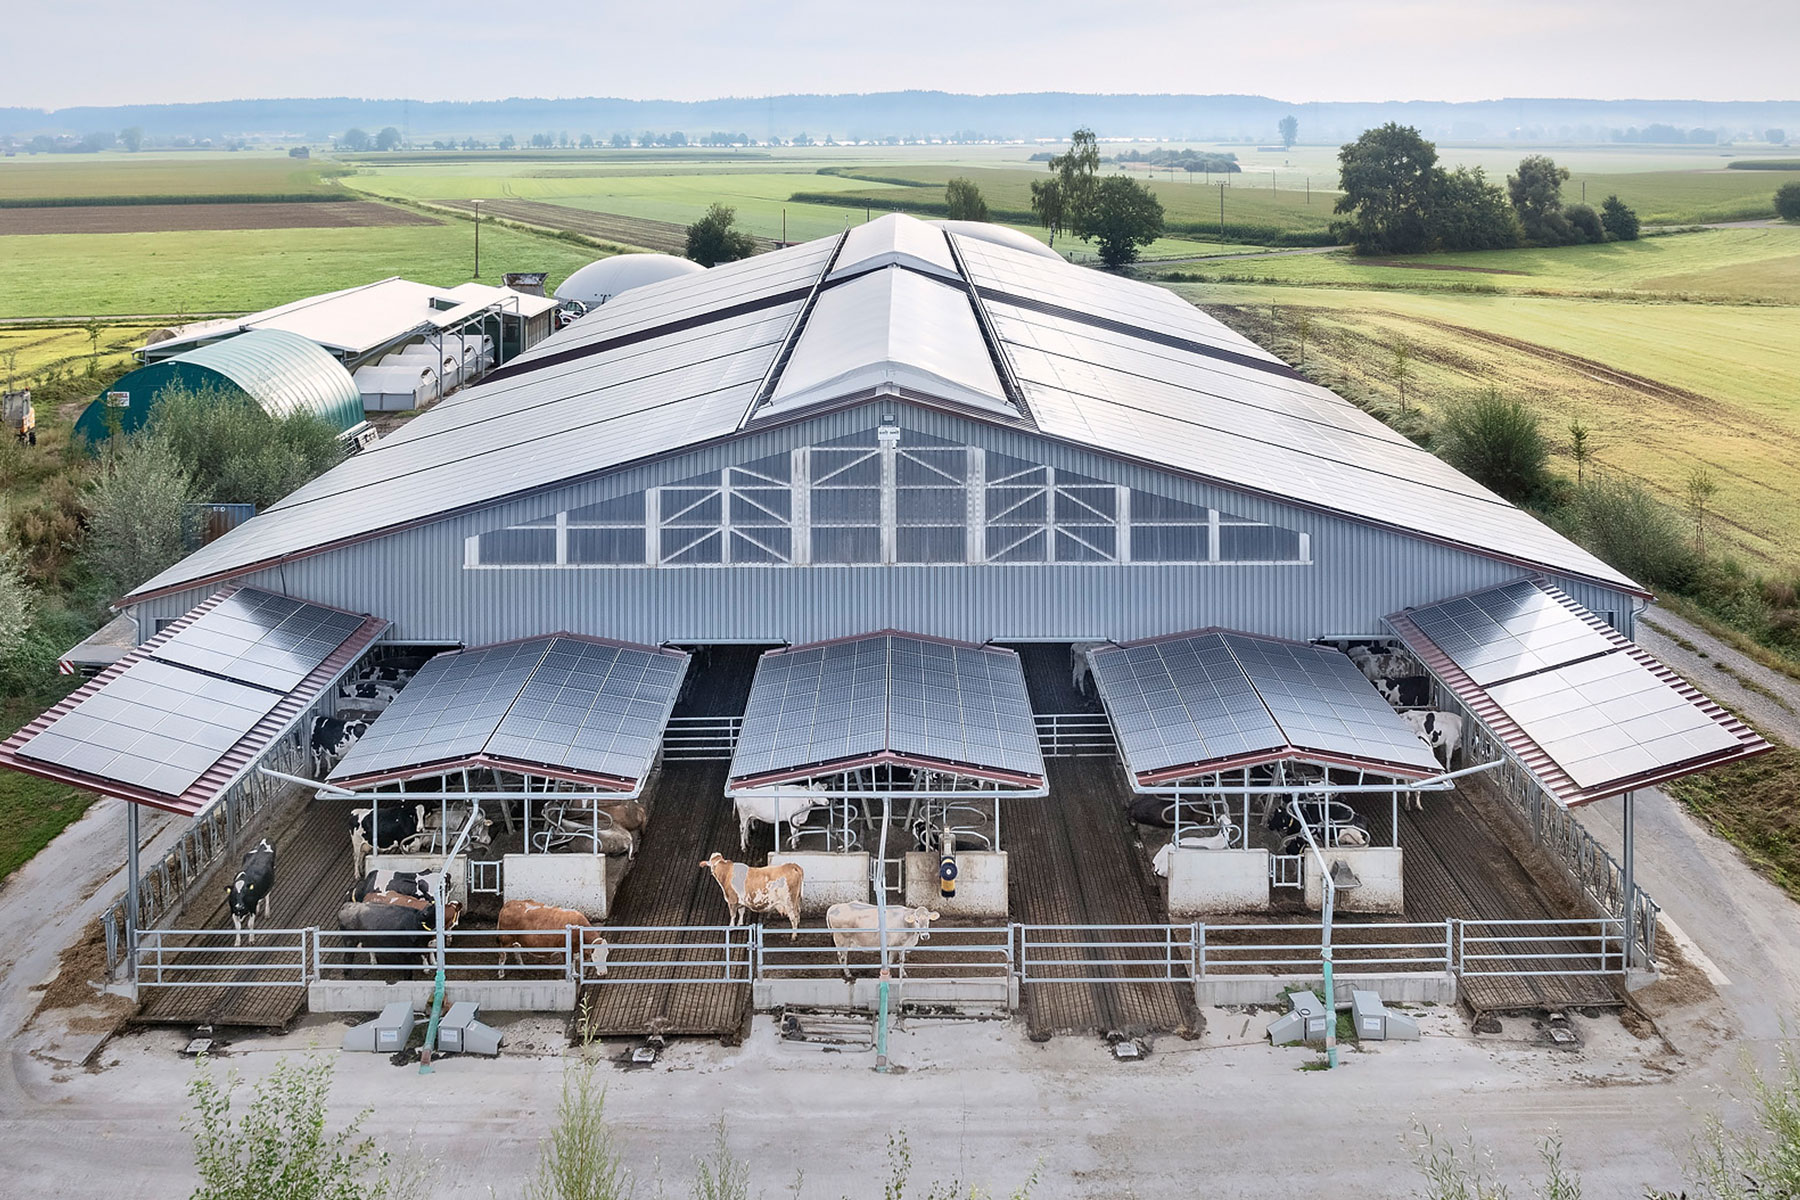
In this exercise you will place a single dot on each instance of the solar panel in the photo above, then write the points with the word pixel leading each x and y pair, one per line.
pixel 1610 718
pixel 259 638
pixel 155 726
pixel 1509 631
pixel 916 697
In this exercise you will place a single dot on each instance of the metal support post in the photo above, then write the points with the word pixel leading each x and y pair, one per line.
pixel 881 1007
pixel 131 887
pixel 1630 819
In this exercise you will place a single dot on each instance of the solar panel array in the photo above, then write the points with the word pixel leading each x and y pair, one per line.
pixel 1212 697
pixel 912 696
pixel 163 722
pixel 561 702
pixel 1509 631
pixel 1610 718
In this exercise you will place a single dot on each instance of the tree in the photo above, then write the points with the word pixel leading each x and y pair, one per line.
pixel 1290 129
pixel 388 139
pixel 134 510
pixel 1697 498
pixel 1619 220
pixel 1388 178
pixel 1047 203
pixel 1400 368
pixel 94 329
pixel 132 139
pixel 1067 202
pixel 1536 191
pixel 235 452
pixel 1775 137
pixel 1787 201
pixel 1497 443
pixel 1469 213
pixel 17 599
pixel 1585 224
pixel 508 142
pixel 963 202
pixel 587 141
pixel 1581 448
pixel 354 139
pixel 713 239
pixel 1125 218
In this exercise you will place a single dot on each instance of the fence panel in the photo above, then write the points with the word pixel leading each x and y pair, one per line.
pixel 701 739
pixel 1529 948
pixel 1106 953
pixel 213 958
pixel 965 952
pixel 682 954
pixel 1356 948
pixel 1075 735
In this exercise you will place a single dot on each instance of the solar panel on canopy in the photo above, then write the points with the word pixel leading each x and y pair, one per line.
pixel 259 638
pixel 156 726
pixel 1322 702
pixel 592 707
pixel 1508 632
pixel 1181 700
pixel 918 698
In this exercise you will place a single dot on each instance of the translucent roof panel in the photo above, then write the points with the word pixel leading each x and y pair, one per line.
pixel 891 328
pixel 156 726
pixel 1194 704
pixel 261 639
pixel 562 706
pixel 919 701
pixel 895 240
pixel 1511 631
pixel 1588 713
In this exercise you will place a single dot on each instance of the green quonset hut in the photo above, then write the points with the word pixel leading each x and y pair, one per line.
pixel 283 372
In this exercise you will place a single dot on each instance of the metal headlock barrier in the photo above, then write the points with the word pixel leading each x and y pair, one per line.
pixel 701 739
pixel 679 956
pixel 1075 735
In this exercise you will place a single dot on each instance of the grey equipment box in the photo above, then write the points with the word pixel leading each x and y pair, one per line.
pixel 1376 1023
pixel 386 1034
pixel 1304 1022
pixel 460 1033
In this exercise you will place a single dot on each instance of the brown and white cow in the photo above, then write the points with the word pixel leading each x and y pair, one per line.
pixel 760 889
pixel 522 920
pixel 856 925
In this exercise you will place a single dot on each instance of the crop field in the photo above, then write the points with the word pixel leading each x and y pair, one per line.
pixel 124 176
pixel 230 271
pixel 64 347
pixel 160 218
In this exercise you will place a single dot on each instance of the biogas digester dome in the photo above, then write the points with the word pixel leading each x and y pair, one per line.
pixel 601 280
pixel 282 372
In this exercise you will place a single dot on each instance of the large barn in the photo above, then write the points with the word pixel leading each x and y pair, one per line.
pixel 864 518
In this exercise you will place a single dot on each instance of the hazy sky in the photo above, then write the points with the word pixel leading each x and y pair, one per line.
pixel 72 52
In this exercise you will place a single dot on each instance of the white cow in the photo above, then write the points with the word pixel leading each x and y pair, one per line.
pixel 1081 671
pixel 1221 840
pixel 777 802
pixel 1441 731
pixel 856 925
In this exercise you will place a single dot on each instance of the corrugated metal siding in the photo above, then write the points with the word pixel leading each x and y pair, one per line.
pixel 1359 572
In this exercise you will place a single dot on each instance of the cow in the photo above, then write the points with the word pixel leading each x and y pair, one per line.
pixel 369 695
pixel 629 815
pixel 759 889
pixel 418 884
pixel 395 928
pixel 1153 810
pixel 397 823
pixel 856 925
pixel 1441 731
pixel 1410 691
pixel 439 827
pixel 248 895
pixel 1377 667
pixel 1221 840
pixel 1342 825
pixel 530 925
pixel 1081 670
pixel 776 802
pixel 332 738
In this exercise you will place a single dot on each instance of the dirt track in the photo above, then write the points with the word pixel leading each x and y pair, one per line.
pixel 663 236
pixel 166 218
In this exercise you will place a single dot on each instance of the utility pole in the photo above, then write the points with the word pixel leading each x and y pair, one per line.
pixel 1221 212
pixel 477 274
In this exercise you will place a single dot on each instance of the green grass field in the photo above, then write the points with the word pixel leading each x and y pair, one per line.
pixel 244 270
pixel 125 175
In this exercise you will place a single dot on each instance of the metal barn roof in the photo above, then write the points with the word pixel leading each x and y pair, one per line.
pixel 283 373
pixel 567 707
pixel 1200 703
pixel 1589 713
pixel 888 698
pixel 1094 360
pixel 177 721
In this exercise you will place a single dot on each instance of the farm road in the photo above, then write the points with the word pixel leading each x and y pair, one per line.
pixel 1769 699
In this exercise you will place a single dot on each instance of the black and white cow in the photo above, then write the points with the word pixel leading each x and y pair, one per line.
pixel 392 930
pixel 371 695
pixel 332 738
pixel 398 822
pixel 1376 667
pixel 1441 731
pixel 248 895
pixel 1410 691
pixel 420 884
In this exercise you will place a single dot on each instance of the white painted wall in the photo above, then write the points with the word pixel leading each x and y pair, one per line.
pixel 828 878
pixel 575 881
pixel 1218 882
pixel 1381 869
pixel 980 884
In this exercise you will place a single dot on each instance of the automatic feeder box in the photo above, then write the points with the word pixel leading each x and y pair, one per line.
pixel 1304 1022
pixel 460 1033
pixel 386 1034
pixel 1375 1022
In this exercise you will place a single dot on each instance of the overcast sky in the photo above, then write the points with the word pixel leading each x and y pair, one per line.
pixel 74 52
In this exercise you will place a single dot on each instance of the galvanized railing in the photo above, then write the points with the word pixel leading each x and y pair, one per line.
pixel 468 954
pixel 214 958
pixel 1538 948
pixel 690 954
pixel 1075 735
pixel 965 952
pixel 1294 949
pixel 701 739
pixel 1090 953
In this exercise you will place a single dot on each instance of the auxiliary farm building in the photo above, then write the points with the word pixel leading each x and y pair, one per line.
pixel 955 574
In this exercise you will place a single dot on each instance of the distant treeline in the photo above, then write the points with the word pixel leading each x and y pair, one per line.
pixel 220 198
pixel 1765 164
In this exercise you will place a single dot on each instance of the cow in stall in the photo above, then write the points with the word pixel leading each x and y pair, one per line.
pixel 331 739
pixel 1441 731
pixel 1222 839
pixel 1341 824
pixel 781 801
pixel 758 889
pixel 248 895
pixel 1376 667
pixel 369 695
pixel 1081 671
pixel 856 925
pixel 439 826
pixel 393 928
pixel 398 821
pixel 531 926
pixel 421 885
pixel 572 825
pixel 1408 691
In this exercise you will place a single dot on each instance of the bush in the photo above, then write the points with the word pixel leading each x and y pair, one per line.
pixel 1126 217
pixel 1621 522
pixel 17 602
pixel 235 452
pixel 963 201
pixel 1787 201
pixel 714 239
pixel 1620 220
pixel 1585 223
pixel 134 510
pixel 1497 443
